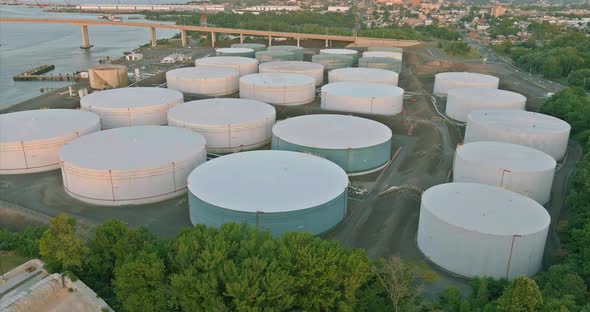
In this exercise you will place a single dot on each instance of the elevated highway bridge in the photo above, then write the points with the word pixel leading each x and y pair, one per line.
pixel 361 41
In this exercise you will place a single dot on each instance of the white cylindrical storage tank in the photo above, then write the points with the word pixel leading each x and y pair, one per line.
pixel 462 101
pixel 545 133
pixel 358 145
pixel 278 191
pixel 131 165
pixel 297 51
pixel 363 97
pixel 244 65
pixel 228 125
pixel 30 140
pixel 314 70
pixel 254 46
pixel 108 76
pixel 386 54
pixel 386 49
pixel 381 63
pixel 278 88
pixel 371 75
pixel 333 61
pixel 443 82
pixel 243 52
pixel 209 81
pixel 131 106
pixel 349 52
pixel 272 56
pixel 517 168
pixel 474 229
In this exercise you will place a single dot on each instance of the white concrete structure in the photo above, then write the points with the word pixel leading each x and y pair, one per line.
pixel 278 88
pixel 276 190
pixel 387 49
pixel 443 82
pixel 387 54
pixel 363 97
pixel 131 106
pixel 348 52
pixel 462 101
pixel 517 168
pixel 358 145
pixel 475 229
pixel 372 75
pixel 254 46
pixel 243 52
pixel 131 165
pixel 211 81
pixel 229 125
pixel 314 70
pixel 333 61
pixel 545 133
pixel 244 65
pixel 297 51
pixel 30 140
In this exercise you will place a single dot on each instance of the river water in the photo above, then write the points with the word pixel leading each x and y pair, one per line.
pixel 24 46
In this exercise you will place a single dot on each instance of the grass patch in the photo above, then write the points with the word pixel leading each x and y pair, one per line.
pixel 10 260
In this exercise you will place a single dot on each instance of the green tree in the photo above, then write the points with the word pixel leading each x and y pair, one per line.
pixel 522 295
pixel 551 67
pixel 61 247
pixel 450 299
pixel 403 281
pixel 580 78
pixel 140 283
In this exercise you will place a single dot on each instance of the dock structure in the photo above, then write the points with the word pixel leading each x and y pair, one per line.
pixel 36 73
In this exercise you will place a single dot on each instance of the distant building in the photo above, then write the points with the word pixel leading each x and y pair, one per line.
pixel 498 10
pixel 389 2
pixel 134 57
pixel 341 9
pixel 173 58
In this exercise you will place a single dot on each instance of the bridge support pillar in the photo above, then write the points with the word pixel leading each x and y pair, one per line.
pixel 269 40
pixel 327 43
pixel 85 39
pixel 153 36
pixel 183 37
pixel 212 39
pixel 298 42
pixel 241 38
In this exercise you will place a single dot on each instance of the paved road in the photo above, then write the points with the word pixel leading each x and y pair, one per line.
pixel 493 57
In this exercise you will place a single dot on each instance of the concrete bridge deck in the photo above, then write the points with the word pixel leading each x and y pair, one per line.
pixel 359 41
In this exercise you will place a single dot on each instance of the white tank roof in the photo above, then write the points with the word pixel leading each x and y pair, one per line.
pixel 485 209
pixel 513 157
pixel 520 121
pixel 132 148
pixel 202 72
pixel 386 54
pixel 480 95
pixel 291 66
pixel 221 111
pixel 362 89
pixel 130 98
pixel 277 79
pixel 44 124
pixel 332 131
pixel 268 181
pixel 467 78
pixel 363 74
pixel 339 51
pixel 225 60
pixel 235 50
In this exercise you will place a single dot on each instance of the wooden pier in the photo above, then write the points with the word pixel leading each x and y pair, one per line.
pixel 37 74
